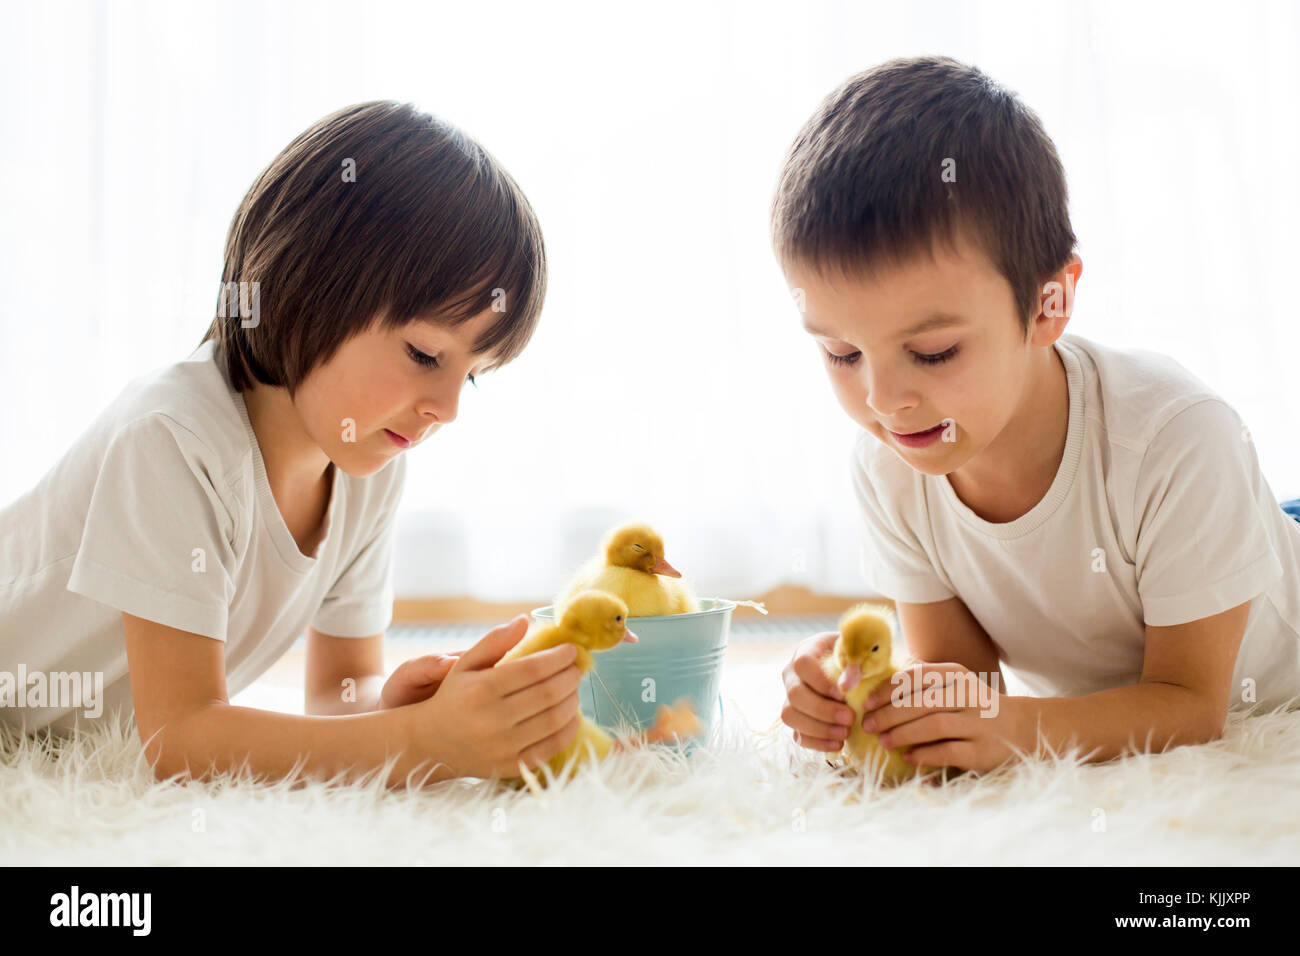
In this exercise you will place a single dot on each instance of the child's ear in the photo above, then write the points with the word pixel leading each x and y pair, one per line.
pixel 1073 272
pixel 1055 306
pixel 1057 295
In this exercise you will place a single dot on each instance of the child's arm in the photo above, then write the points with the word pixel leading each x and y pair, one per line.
pixel 1182 697
pixel 483 726
pixel 331 661
pixel 946 631
pixel 183 713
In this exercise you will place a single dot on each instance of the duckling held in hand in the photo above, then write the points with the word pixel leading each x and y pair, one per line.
pixel 634 569
pixel 594 621
pixel 860 661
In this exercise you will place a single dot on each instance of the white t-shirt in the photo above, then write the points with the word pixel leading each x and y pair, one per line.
pixel 1158 515
pixel 162 509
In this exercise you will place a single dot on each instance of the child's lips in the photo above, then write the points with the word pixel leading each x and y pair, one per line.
pixel 924 431
pixel 922 439
pixel 398 439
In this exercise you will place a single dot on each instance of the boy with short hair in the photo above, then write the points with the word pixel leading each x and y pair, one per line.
pixel 1093 518
pixel 226 504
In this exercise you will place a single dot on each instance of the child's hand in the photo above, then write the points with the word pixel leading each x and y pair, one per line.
pixel 971 727
pixel 416 680
pixel 815 708
pixel 485 719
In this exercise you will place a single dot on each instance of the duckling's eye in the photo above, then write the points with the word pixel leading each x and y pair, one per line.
pixel 619 619
pixel 637 547
pixel 876 648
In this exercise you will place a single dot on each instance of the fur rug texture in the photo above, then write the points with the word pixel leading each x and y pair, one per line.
pixel 752 798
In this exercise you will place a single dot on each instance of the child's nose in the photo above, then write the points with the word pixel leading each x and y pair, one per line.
pixel 886 399
pixel 439 409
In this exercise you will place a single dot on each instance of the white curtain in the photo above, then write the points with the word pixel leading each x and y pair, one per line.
pixel 648 139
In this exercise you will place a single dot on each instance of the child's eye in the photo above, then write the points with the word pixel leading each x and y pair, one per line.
pixel 426 360
pixel 937 358
pixel 842 359
pixel 920 357
pixel 430 361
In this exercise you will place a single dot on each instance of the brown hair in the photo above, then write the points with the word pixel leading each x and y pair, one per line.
pixel 377 213
pixel 863 182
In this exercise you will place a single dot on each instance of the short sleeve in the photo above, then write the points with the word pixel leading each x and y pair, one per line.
pixel 893 561
pixel 1203 545
pixel 157 540
pixel 360 602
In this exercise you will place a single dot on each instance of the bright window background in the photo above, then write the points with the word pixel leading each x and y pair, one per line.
pixel 669 379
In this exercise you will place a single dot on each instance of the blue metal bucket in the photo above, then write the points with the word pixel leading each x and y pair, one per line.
pixel 675 656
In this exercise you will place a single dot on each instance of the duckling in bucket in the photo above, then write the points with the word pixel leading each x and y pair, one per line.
pixel 634 569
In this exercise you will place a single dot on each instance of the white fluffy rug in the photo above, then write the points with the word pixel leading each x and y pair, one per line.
pixel 755 798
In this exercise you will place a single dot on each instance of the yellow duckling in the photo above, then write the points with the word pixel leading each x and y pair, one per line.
pixel 594 621
pixel 861 659
pixel 634 569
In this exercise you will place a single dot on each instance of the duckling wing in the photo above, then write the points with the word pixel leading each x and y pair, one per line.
pixel 591 733
pixel 864 749
pixel 589 737
pixel 683 599
pixel 539 640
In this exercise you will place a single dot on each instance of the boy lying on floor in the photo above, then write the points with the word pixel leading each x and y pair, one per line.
pixel 1094 518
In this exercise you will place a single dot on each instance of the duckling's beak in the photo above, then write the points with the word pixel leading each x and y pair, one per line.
pixel 850 678
pixel 629 637
pixel 663 567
